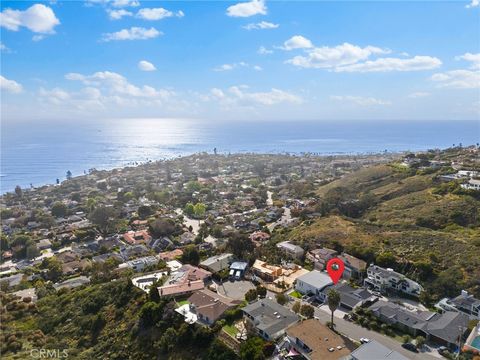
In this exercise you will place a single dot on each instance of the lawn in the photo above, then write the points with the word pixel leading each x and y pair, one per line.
pixel 183 302
pixel 230 330
pixel 296 294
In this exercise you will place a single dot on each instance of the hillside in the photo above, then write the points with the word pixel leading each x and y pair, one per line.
pixel 404 219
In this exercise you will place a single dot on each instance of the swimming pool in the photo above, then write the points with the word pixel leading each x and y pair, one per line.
pixel 476 343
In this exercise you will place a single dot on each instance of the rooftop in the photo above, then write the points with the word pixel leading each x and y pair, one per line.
pixel 375 350
pixel 316 279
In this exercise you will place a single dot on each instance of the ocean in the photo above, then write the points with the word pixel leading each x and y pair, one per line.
pixel 40 152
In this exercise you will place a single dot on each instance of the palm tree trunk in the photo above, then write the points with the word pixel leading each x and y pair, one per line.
pixel 331 322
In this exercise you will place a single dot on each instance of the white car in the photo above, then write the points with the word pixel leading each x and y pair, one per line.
pixel 364 340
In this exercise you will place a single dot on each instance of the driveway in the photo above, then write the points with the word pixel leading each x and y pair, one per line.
pixel 235 289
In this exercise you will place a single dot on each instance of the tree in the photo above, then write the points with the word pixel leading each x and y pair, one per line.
pixel 162 227
pixel 251 295
pixel 281 299
pixel 296 307
pixel 144 211
pixel 333 298
pixel 69 175
pixel 307 310
pixel 59 209
pixel 199 210
pixel 406 339
pixel 261 291
pixel 18 191
pixel 104 218
pixel 54 268
pixel 240 245
pixel 420 341
pixel 189 209
pixel 191 255
pixel 252 349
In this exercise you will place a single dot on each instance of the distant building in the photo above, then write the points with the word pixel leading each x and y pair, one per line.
pixel 290 249
pixel 354 267
pixel 269 318
pixel 464 303
pixel 374 350
pixel 140 263
pixel 312 284
pixel 137 237
pixel 381 279
pixel 185 281
pixel 72 283
pixel 472 184
pixel 266 271
pixel 315 341
pixel 350 298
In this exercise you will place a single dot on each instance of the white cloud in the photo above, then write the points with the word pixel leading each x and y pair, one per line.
pixel 55 95
pixel 157 14
pixel 262 25
pixel 134 33
pixel 393 64
pixel 10 85
pixel 146 66
pixel 458 79
pixel 118 14
pixel 247 9
pixel 37 18
pixel 297 42
pixel 419 94
pixel 117 84
pixel 262 50
pixel 328 57
pixel 360 100
pixel 240 96
pixel 473 58
pixel 4 48
pixel 473 4
pixel 38 37
pixel 125 3
pixel 228 67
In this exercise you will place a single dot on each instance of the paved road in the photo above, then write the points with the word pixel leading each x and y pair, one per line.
pixel 356 332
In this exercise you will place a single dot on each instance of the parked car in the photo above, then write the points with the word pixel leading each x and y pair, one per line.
pixel 364 340
pixel 410 347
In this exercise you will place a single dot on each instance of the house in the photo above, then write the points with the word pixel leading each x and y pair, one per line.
pixel 312 284
pixel 170 255
pixel 374 350
pixel 265 271
pixel 350 298
pixel 217 263
pixel 139 264
pixel 290 249
pixel 137 237
pixel 74 266
pixel 472 184
pixel 72 283
pixel 209 306
pixel 383 280
pixel 186 238
pixel 315 341
pixel 162 244
pixel 320 257
pixel 44 244
pixel 185 281
pixel 259 236
pixel 134 251
pixel 237 269
pixel 269 318
pixel 464 303
pixel 354 267
pixel 443 329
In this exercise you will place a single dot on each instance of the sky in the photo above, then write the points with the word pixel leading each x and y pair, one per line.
pixel 254 60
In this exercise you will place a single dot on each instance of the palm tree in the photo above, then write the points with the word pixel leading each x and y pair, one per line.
pixel 333 298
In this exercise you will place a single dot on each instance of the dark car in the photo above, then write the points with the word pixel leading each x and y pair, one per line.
pixel 410 347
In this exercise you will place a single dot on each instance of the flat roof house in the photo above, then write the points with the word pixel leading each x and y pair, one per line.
pixel 374 350
pixel 269 318
pixel 266 271
pixel 290 249
pixel 313 283
pixel 381 279
pixel 315 341
pixel 217 263
pixel 464 303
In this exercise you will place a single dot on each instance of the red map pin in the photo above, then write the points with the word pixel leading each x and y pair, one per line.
pixel 335 269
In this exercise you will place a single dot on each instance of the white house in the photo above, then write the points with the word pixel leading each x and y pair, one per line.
pixel 313 283
pixel 472 184
pixel 290 249
pixel 381 279
pixel 464 303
